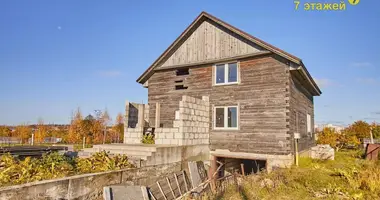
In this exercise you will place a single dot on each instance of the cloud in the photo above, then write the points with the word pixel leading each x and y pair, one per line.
pixel 324 82
pixel 375 113
pixel 368 81
pixel 361 64
pixel 109 73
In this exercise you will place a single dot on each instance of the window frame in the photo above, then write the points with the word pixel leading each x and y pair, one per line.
pixel 308 123
pixel 226 118
pixel 226 70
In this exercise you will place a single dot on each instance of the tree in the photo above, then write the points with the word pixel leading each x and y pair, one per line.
pixel 118 128
pixel 87 125
pixel 375 130
pixel 41 132
pixel 360 129
pixel 328 136
pixel 75 130
pixel 337 140
pixel 23 132
pixel 5 131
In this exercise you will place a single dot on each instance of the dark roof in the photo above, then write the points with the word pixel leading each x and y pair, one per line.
pixel 204 15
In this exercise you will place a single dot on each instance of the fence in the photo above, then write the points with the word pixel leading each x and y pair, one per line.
pixel 9 140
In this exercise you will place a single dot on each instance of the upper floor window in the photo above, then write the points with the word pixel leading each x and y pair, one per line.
pixel 226 73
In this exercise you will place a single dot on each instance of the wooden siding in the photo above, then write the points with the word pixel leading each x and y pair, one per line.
pixel 301 104
pixel 261 96
pixel 210 41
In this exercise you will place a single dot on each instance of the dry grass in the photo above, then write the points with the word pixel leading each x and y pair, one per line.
pixel 347 177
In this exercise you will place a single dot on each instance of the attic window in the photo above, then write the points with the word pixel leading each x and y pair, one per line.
pixel 182 72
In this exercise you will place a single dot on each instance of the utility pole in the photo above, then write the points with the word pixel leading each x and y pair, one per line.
pixel 370 132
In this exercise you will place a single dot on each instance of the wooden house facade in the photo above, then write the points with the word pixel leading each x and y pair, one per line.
pixel 259 95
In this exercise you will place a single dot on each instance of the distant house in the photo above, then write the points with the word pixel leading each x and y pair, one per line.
pixel 259 95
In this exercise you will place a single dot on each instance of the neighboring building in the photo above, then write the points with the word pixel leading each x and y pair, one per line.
pixel 337 128
pixel 258 94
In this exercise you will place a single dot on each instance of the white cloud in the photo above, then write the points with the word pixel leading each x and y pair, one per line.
pixel 361 64
pixel 109 73
pixel 324 82
pixel 368 81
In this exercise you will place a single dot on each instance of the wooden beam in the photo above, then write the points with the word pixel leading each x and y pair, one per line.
pixel 179 187
pixel 170 186
pixel 162 192
pixel 184 179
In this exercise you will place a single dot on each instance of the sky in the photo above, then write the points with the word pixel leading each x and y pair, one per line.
pixel 56 56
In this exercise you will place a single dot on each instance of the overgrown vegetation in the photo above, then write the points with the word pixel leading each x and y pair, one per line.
pixel 349 137
pixel 147 139
pixel 347 177
pixel 54 165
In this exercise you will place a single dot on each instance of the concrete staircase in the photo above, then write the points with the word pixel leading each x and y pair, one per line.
pixel 134 152
pixel 150 154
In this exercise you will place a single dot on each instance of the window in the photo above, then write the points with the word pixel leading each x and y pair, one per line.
pixel 182 72
pixel 308 123
pixel 226 73
pixel 226 117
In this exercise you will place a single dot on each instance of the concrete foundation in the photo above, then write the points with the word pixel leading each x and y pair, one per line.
pixel 272 161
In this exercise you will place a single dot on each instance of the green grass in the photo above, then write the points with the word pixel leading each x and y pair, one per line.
pixel 346 177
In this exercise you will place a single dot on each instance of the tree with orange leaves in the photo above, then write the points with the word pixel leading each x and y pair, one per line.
pixel 118 128
pixel 41 132
pixel 75 130
pixel 23 132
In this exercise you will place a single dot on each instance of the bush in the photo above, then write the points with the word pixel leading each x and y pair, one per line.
pixel 54 165
pixel 148 139
pixel 101 161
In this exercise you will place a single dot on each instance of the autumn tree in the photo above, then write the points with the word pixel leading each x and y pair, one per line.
pixel 360 129
pixel 328 136
pixel 88 128
pixel 41 132
pixel 337 140
pixel 75 130
pixel 375 130
pixel 23 132
pixel 5 131
pixel 118 128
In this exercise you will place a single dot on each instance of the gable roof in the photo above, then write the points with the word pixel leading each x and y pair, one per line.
pixel 201 18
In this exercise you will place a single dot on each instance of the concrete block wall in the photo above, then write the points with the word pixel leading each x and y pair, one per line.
pixel 191 126
pixel 133 135
pixel 194 120
pixel 167 136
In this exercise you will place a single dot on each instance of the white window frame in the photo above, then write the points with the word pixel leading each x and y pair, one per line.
pixel 308 123
pixel 226 73
pixel 226 118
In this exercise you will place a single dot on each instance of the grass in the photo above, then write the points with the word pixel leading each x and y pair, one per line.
pixel 346 177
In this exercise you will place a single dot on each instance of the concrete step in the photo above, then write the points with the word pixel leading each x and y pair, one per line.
pixel 149 148
pixel 130 152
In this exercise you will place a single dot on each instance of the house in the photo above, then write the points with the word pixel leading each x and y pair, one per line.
pixel 251 95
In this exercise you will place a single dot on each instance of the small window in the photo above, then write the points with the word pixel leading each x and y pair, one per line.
pixel 180 87
pixel 226 117
pixel 182 72
pixel 226 73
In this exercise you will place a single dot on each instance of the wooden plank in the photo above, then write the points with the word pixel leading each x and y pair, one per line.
pixel 162 192
pixel 184 179
pixel 176 180
pixel 171 189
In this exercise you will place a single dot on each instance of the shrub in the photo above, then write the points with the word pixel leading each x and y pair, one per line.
pixel 101 161
pixel 54 165
pixel 148 139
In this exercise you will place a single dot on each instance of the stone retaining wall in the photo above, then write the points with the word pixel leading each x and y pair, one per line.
pixel 87 186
